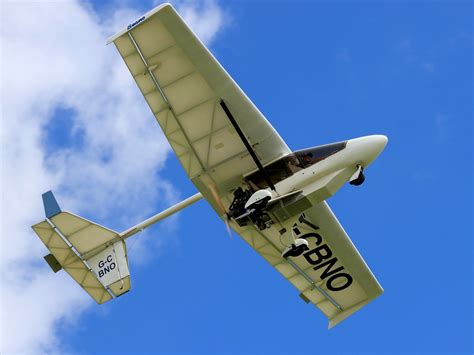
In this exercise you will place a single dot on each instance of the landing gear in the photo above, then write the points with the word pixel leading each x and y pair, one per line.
pixel 261 220
pixel 296 249
pixel 358 178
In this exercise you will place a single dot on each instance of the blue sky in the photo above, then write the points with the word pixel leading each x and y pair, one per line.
pixel 320 72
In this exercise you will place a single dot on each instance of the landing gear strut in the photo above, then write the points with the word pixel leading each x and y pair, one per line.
pixel 296 249
pixel 262 220
pixel 358 178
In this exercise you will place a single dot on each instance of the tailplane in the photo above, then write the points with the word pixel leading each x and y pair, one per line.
pixel 94 256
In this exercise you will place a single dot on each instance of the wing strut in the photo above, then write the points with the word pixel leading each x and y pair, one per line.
pixel 247 145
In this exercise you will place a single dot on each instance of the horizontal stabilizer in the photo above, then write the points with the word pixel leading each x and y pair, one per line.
pixel 94 256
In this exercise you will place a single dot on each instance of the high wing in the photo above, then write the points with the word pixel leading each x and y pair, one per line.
pixel 184 84
pixel 332 275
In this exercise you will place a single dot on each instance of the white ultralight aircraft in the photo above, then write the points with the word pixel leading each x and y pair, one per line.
pixel 272 197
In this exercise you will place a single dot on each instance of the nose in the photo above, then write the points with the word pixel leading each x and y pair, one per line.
pixel 364 150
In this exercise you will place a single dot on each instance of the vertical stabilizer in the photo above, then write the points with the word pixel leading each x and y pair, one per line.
pixel 51 206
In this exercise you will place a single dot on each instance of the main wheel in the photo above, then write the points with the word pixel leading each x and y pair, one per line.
pixel 360 179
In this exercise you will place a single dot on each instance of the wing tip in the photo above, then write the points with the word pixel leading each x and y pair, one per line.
pixel 145 17
pixel 350 311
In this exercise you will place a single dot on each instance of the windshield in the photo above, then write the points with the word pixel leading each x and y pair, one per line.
pixel 313 155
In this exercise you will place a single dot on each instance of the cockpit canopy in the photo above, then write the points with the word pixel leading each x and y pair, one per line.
pixel 292 163
pixel 311 156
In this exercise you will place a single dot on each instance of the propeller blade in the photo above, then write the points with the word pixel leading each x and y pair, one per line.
pixel 227 224
pixel 219 203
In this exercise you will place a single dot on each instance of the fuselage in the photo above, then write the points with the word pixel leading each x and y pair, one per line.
pixel 320 171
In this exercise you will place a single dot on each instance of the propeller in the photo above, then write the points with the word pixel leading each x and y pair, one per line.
pixel 221 206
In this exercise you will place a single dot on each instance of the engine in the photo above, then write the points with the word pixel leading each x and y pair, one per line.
pixel 249 206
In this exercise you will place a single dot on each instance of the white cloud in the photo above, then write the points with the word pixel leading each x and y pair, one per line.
pixel 194 11
pixel 53 56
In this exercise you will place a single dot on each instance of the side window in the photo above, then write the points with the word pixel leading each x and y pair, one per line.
pixel 277 171
pixel 293 163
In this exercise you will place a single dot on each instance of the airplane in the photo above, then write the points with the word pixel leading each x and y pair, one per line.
pixel 272 197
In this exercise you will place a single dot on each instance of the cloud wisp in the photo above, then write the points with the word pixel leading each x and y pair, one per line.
pixel 54 59
pixel 406 50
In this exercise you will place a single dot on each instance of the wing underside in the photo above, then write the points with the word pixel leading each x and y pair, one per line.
pixel 331 275
pixel 183 85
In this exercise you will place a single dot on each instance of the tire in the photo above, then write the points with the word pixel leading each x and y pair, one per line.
pixel 359 181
